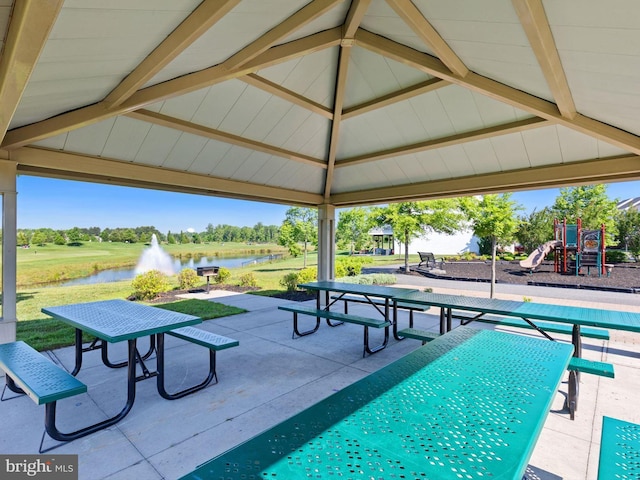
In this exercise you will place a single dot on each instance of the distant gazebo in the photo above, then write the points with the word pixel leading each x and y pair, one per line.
pixel 382 236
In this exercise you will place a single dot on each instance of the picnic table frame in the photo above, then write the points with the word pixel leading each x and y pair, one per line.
pixel 472 401
pixel 367 292
pixel 116 321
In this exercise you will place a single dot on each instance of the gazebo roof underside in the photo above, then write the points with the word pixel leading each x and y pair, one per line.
pixel 323 102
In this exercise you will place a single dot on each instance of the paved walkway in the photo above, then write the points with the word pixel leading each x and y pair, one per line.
pixel 271 376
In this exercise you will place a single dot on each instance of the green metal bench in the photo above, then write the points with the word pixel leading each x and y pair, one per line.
pixel 619 450
pixel 579 365
pixel 588 332
pixel 417 334
pixel 212 341
pixel 31 373
pixel 329 315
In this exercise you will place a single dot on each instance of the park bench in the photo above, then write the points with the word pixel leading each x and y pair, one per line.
pixel 428 259
pixel 208 340
pixel 576 366
pixel 411 307
pixel 329 315
pixel 31 373
pixel 423 335
pixel 619 449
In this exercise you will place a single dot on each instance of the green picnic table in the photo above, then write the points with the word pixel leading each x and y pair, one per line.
pixel 470 404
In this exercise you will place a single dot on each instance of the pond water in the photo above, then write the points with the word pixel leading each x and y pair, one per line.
pixel 117 274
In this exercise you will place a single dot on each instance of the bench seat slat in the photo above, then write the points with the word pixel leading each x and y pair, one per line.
pixel 333 315
pixel 417 334
pixel 42 380
pixel 590 366
pixel 204 338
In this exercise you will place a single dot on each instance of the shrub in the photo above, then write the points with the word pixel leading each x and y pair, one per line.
pixel 188 278
pixel 616 256
pixel 351 266
pixel 290 281
pixel 224 274
pixel 370 279
pixel 149 285
pixel 248 280
pixel 309 274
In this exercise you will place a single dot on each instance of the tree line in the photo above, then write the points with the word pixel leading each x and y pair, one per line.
pixel 259 233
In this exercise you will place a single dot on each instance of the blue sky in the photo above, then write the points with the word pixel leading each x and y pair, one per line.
pixel 63 204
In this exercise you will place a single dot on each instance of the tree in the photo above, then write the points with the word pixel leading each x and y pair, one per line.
pixel 353 229
pixel 301 226
pixel 535 229
pixel 493 217
pixel 629 231
pixel 411 220
pixel 591 204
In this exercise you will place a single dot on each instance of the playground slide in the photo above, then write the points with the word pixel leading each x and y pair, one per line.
pixel 536 258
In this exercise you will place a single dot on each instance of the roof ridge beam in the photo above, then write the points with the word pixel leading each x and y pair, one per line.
pixel 286 94
pixel 178 86
pixel 413 17
pixel 498 91
pixel 394 97
pixel 472 136
pixel 200 130
pixel 536 26
pixel 29 26
pixel 207 14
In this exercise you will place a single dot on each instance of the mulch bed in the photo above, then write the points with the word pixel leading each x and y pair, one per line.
pixel 624 277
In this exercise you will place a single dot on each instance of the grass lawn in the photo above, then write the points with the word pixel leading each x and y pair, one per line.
pixel 39 263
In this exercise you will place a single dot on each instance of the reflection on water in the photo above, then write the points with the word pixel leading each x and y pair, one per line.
pixel 117 274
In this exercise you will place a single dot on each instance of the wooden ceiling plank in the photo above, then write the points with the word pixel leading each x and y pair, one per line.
pixel 187 83
pixel 286 94
pixel 413 17
pixel 498 91
pixel 28 30
pixel 475 135
pixel 207 14
pixel 620 168
pixel 394 97
pixel 536 26
pixel 202 131
pixel 54 163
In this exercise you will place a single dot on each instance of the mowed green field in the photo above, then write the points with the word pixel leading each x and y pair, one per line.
pixel 38 266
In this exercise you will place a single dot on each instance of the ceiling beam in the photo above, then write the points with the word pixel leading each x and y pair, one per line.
pixel 57 164
pixel 187 83
pixel 498 91
pixel 354 17
pixel 475 135
pixel 413 17
pixel 28 30
pixel 207 14
pixel 394 97
pixel 586 172
pixel 534 21
pixel 213 134
pixel 296 21
pixel 286 94
pixel 341 81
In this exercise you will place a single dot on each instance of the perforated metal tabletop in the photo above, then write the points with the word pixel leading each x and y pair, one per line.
pixel 118 320
pixel 468 405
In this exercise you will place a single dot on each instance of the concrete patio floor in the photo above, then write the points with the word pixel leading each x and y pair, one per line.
pixel 271 376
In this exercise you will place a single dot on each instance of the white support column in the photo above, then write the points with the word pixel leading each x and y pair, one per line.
pixel 326 242
pixel 9 231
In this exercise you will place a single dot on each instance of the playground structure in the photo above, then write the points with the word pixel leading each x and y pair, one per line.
pixel 577 248
pixel 574 249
